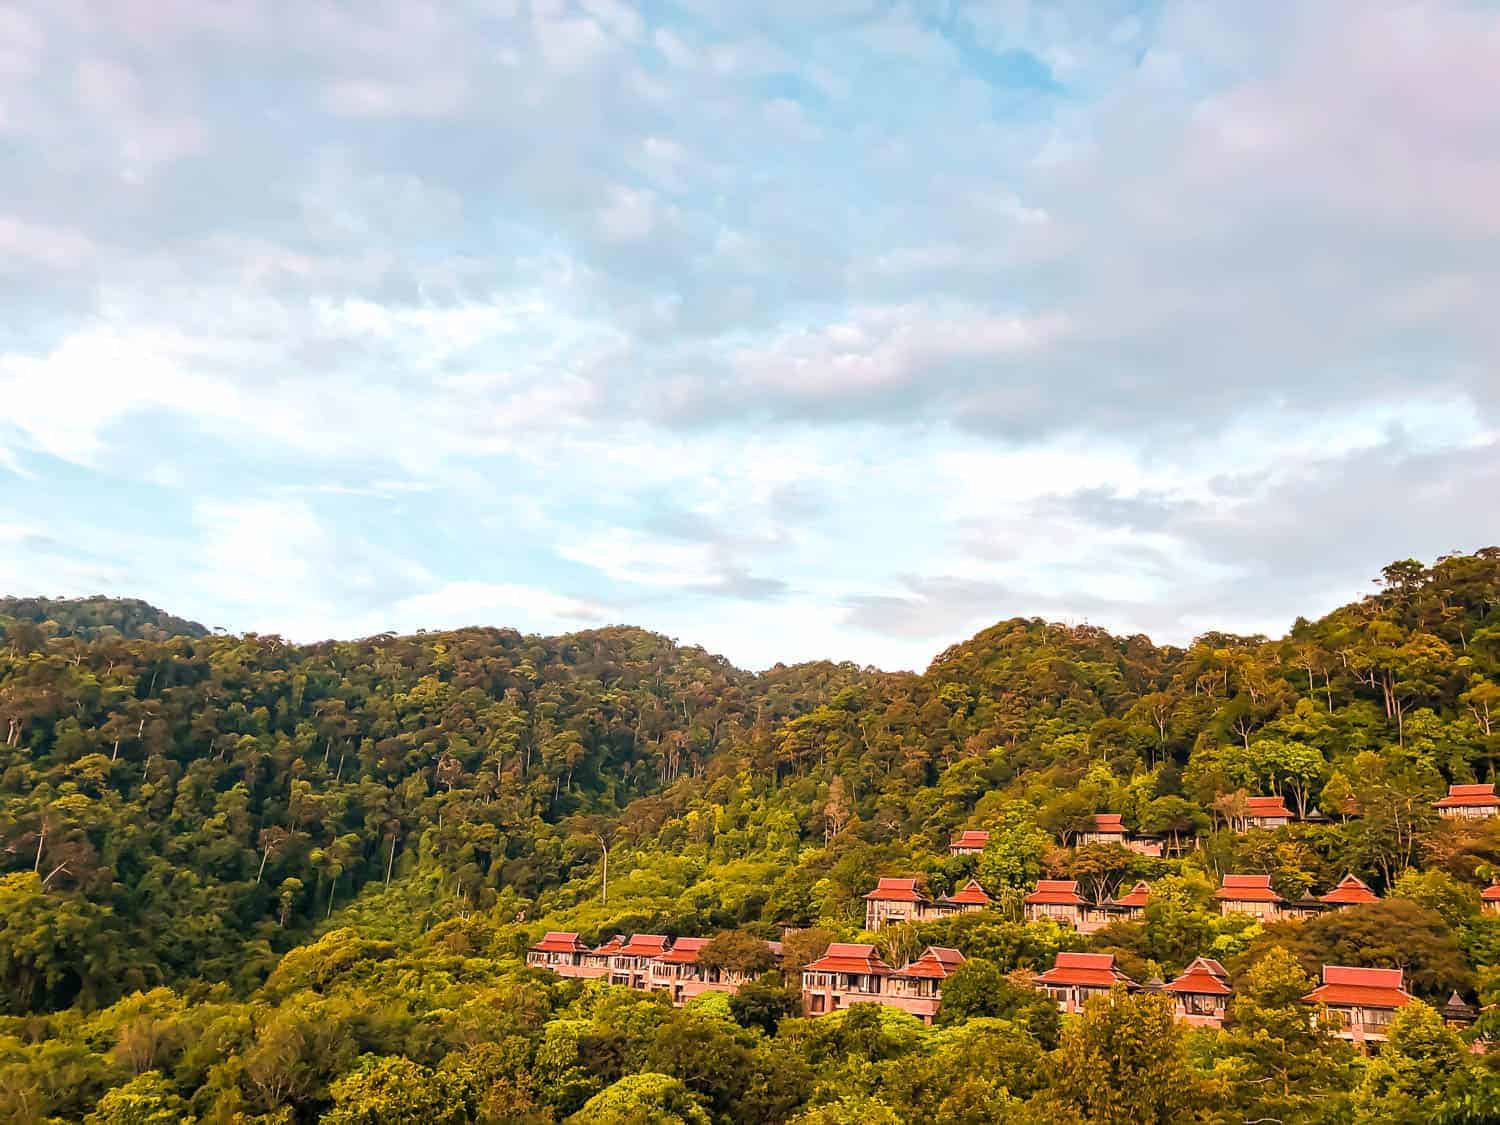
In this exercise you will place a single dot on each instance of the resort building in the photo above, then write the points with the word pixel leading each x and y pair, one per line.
pixel 1057 899
pixel 1267 812
pixel 895 901
pixel 1076 978
pixel 1249 894
pixel 1469 802
pixel 854 974
pixel 675 969
pixel 1363 1000
pixel 595 963
pixel 968 899
pixel 1130 907
pixel 1351 891
pixel 969 843
pixel 563 953
pixel 917 987
pixel 1109 828
pixel 1489 899
pixel 631 965
pixel 1200 996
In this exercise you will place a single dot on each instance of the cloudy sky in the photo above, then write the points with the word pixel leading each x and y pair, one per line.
pixel 797 329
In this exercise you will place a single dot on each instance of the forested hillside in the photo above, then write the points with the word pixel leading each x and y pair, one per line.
pixel 244 880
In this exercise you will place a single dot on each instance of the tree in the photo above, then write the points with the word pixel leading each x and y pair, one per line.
pixel 1421 1061
pixel 1277 1065
pixel 836 809
pixel 636 1098
pixel 979 989
pixel 1123 1061
pixel 739 952
pixel 397 1091
pixel 764 1006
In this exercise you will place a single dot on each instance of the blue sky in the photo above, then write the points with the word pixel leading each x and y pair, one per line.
pixel 797 330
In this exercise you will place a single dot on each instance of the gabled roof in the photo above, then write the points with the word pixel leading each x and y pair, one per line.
pixel 896 890
pixel 1247 888
pixel 560 941
pixel 1203 977
pixel 1266 806
pixel 1055 892
pixel 611 946
pixel 1086 970
pixel 645 945
pixel 684 951
pixel 1351 891
pixel 1347 986
pixel 970 894
pixel 1137 896
pixel 1469 796
pixel 1109 822
pixel 973 838
pixel 845 957
pixel 936 963
pixel 1491 893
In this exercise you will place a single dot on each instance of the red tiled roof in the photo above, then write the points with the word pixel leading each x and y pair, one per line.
pixel 1347 986
pixel 611 946
pixel 1108 822
pixel 1205 977
pixel 1351 891
pixel 1266 806
pixel 897 890
pixel 1088 970
pixel 1469 796
pixel 1491 893
pixel 1055 892
pixel 684 951
pixel 970 894
pixel 644 945
pixel 850 958
pixel 1137 896
pixel 936 963
pixel 1247 888
pixel 971 839
pixel 560 941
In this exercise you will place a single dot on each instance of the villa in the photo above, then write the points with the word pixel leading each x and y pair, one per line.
pixel 894 902
pixel 563 953
pixel 1364 1000
pixel 1076 978
pixel 1267 812
pixel 1057 899
pixel 1489 899
pixel 971 842
pixel 1201 994
pixel 1109 828
pixel 1351 891
pixel 1469 802
pixel 1249 894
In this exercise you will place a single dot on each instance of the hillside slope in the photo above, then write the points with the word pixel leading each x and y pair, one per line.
pixel 191 811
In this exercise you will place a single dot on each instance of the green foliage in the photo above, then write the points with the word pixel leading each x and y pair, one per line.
pixel 642 1097
pixel 243 880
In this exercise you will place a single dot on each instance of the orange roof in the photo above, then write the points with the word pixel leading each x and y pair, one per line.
pixel 684 951
pixel 645 945
pixel 1347 986
pixel 897 890
pixel 1266 806
pixel 1469 796
pixel 1491 893
pixel 1204 977
pixel 1351 891
pixel 1087 970
pixel 1108 822
pixel 1055 892
pixel 936 963
pixel 970 894
pixel 1137 896
pixel 1247 888
pixel 849 958
pixel 560 941
pixel 971 839
pixel 611 946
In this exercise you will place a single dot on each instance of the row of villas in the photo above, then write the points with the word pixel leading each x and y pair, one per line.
pixel 1362 1001
pixel 651 962
pixel 1463 802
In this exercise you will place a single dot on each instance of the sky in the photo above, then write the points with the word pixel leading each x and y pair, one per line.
pixel 799 330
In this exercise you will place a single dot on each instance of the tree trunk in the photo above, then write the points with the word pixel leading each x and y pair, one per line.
pixel 390 861
pixel 263 857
